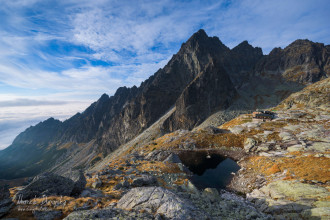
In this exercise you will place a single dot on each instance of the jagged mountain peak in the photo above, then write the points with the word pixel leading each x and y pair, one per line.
pixel 104 97
pixel 244 47
pixel 200 41
pixel 299 46
pixel 50 120
pixel 199 34
pixel 276 50
pixel 302 61
pixel 300 42
pixel 122 90
pixel 244 43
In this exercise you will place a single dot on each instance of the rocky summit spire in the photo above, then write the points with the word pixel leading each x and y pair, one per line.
pixel 199 41
pixel 246 48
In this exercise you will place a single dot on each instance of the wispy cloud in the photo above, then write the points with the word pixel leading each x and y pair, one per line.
pixel 28 102
pixel 270 24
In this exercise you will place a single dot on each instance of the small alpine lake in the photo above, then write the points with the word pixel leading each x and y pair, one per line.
pixel 209 168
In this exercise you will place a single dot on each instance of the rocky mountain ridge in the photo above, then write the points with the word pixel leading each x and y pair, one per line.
pixel 204 77
pixel 283 171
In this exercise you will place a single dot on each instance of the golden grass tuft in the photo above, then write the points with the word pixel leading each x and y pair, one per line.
pixel 301 167
pixel 158 166
pixel 237 121
pixel 274 169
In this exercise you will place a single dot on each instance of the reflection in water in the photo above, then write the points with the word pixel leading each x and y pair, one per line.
pixel 210 169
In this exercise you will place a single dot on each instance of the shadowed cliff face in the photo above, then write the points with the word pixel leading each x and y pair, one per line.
pixel 303 61
pixel 203 77
pixel 210 91
pixel 160 92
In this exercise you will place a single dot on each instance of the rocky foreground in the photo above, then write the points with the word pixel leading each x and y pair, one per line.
pixel 284 174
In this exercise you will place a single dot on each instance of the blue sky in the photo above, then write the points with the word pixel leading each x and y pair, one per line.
pixel 56 57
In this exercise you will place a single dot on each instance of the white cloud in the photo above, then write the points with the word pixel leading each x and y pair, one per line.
pixel 87 78
pixel 134 30
pixel 28 102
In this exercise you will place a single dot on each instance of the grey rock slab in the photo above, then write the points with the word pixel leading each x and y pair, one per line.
pixel 109 213
pixel 5 206
pixel 4 192
pixel 160 201
pixel 97 183
pixel 249 144
pixel 47 215
pixel 288 197
pixel 251 125
pixel 285 136
pixel 144 180
pixel 91 193
pixel 157 155
pixel 213 130
pixel 173 158
pixel 79 181
pixel 296 147
pixel 211 193
pixel 317 213
pixel 236 129
pixel 263 147
pixel 5 201
pixel 266 133
pixel 320 146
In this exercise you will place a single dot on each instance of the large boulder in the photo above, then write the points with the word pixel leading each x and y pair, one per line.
pixel 47 184
pixel 47 215
pixel 144 180
pixel 158 200
pixel 214 130
pixel 249 144
pixel 4 192
pixel 98 183
pixel 173 158
pixel 5 201
pixel 79 181
pixel 284 198
pixel 157 155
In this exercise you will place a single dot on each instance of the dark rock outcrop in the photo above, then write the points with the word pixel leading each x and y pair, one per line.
pixel 47 215
pixel 5 201
pixel 173 158
pixel 314 96
pixel 144 180
pixel 240 62
pixel 303 61
pixel 159 93
pixel 210 91
pixel 79 181
pixel 46 184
